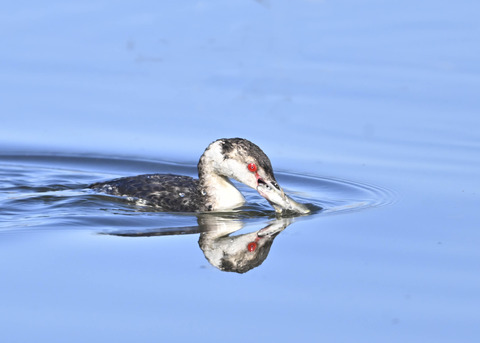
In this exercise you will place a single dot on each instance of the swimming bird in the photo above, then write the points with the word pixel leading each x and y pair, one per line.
pixel 224 159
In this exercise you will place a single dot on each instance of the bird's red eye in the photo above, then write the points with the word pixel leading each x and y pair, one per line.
pixel 252 246
pixel 252 167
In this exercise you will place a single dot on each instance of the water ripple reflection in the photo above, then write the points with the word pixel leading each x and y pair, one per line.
pixel 49 192
pixel 53 188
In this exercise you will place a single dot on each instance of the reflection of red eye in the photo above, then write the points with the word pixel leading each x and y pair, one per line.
pixel 252 167
pixel 252 246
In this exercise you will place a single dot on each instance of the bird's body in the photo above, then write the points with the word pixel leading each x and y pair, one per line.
pixel 167 191
pixel 235 158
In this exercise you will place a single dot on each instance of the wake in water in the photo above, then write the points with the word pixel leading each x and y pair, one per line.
pixel 47 191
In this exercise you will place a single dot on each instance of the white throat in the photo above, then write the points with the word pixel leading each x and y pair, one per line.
pixel 222 193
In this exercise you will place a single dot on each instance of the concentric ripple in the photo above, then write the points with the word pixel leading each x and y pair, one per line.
pixel 49 191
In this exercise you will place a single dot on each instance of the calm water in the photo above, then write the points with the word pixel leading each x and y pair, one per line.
pixel 368 110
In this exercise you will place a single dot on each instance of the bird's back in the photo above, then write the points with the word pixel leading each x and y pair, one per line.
pixel 176 193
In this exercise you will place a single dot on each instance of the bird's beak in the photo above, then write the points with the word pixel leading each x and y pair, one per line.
pixel 270 190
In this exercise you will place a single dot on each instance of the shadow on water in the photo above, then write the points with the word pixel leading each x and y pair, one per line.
pixel 50 192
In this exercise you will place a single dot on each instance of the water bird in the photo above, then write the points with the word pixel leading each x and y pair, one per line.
pixel 222 160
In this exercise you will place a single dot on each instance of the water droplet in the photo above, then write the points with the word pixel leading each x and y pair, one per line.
pixel 181 195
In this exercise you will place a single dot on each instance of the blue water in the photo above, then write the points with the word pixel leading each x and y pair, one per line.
pixel 367 109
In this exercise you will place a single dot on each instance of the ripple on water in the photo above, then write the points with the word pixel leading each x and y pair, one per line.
pixel 50 192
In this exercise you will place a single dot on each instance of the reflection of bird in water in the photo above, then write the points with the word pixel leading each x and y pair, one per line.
pixel 231 253
pixel 238 253
pixel 235 158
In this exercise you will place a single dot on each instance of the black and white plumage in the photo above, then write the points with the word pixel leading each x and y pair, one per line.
pixel 225 158
pixel 166 191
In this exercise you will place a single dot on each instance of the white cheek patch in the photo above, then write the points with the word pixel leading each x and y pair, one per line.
pixel 239 171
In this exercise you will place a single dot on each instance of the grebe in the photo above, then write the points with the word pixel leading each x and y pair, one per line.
pixel 235 158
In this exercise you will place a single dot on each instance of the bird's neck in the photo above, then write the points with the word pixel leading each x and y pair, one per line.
pixel 220 192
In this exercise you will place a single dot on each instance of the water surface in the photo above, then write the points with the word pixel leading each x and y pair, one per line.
pixel 367 109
